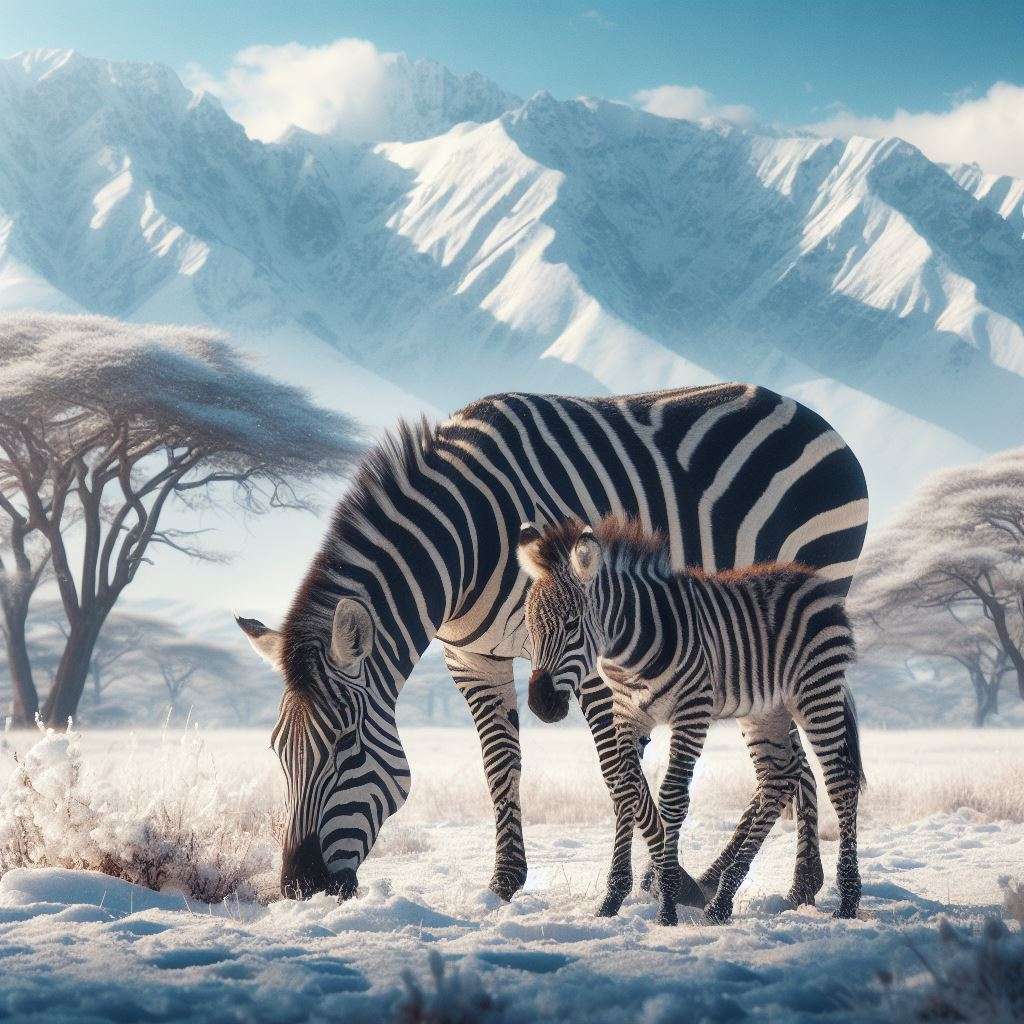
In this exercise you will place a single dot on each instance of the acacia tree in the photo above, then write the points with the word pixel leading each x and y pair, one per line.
pixel 103 424
pixel 180 663
pixel 946 577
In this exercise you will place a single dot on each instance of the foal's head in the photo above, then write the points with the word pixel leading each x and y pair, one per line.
pixel 561 616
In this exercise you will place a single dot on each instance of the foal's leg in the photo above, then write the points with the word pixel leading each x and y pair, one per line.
pixel 690 723
pixel 596 704
pixel 808 876
pixel 827 716
pixel 626 798
pixel 778 768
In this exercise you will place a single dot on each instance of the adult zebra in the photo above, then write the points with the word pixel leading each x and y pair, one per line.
pixel 424 545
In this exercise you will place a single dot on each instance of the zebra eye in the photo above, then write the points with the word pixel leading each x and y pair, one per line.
pixel 346 741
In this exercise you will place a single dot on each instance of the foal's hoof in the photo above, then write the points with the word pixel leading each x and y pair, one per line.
pixel 667 915
pixel 719 910
pixel 807 884
pixel 689 892
pixel 608 908
pixel 649 884
pixel 845 911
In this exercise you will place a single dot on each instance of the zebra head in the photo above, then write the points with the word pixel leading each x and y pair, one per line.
pixel 343 761
pixel 560 613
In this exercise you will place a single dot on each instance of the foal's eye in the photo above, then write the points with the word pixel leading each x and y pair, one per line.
pixel 572 621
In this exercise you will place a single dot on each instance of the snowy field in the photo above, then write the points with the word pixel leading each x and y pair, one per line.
pixel 942 822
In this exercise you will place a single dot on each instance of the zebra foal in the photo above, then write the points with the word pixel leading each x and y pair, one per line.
pixel 767 645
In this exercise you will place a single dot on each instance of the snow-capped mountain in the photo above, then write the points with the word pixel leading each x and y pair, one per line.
pixel 422 98
pixel 999 192
pixel 579 246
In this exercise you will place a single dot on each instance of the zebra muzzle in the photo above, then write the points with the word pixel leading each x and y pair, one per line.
pixel 547 703
pixel 304 873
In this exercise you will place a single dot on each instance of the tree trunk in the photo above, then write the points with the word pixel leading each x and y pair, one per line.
pixel 72 673
pixel 1012 651
pixel 25 698
pixel 981 697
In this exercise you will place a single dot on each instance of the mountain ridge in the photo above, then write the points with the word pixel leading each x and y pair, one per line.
pixel 576 245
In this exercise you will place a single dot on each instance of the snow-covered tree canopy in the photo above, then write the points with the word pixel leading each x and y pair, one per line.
pixel 101 424
pixel 945 578
pixel 84 383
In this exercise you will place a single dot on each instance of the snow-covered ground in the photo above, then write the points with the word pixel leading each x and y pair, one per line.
pixel 943 820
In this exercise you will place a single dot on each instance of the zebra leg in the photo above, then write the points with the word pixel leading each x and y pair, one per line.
pixel 488 687
pixel 595 699
pixel 828 718
pixel 689 731
pixel 778 769
pixel 808 875
pixel 625 797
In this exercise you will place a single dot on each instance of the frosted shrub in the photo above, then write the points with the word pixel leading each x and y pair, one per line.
pixel 165 830
pixel 1013 899
pixel 457 996
pixel 977 980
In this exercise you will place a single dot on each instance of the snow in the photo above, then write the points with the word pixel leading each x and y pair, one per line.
pixel 80 946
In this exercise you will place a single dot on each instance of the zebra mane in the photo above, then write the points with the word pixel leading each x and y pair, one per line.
pixel 625 544
pixel 385 466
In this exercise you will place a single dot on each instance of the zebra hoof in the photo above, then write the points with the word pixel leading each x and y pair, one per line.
pixel 505 884
pixel 807 884
pixel 667 914
pixel 690 892
pixel 612 903
pixel 719 910
pixel 649 884
pixel 846 910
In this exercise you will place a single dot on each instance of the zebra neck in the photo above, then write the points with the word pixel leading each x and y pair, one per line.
pixel 392 542
pixel 644 616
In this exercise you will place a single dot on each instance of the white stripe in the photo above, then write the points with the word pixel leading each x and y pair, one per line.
pixel 834 520
pixel 734 462
pixel 699 430
pixel 814 452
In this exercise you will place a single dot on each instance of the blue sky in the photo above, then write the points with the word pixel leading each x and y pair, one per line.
pixel 787 60
pixel 856 67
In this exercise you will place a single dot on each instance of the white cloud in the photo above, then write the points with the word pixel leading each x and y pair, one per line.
pixel 988 131
pixel 339 87
pixel 690 103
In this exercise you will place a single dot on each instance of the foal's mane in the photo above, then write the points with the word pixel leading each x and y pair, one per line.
pixel 628 545
pixel 625 541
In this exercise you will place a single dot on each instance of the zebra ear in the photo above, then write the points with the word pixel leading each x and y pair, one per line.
pixel 351 633
pixel 265 642
pixel 586 555
pixel 528 551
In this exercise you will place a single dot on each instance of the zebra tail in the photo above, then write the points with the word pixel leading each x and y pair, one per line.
pixel 851 732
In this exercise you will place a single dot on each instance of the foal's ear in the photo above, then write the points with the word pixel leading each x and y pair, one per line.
pixel 586 555
pixel 528 551
pixel 351 632
pixel 265 642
